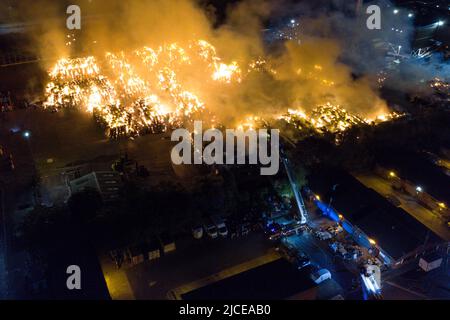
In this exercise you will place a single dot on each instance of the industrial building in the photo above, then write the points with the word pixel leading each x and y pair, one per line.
pixel 394 235
pixel 107 183
pixel 276 280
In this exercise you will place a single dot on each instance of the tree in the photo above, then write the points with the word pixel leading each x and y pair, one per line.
pixel 85 205
pixel 43 226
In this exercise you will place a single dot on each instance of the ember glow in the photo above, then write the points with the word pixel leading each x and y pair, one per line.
pixel 126 102
pixel 332 118
pixel 440 85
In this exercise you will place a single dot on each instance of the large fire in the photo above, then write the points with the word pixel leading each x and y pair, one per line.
pixel 145 91
pixel 126 103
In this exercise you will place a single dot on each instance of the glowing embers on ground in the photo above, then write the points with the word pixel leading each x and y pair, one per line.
pixel 330 118
pixel 128 102
pixel 440 86
pixel 333 118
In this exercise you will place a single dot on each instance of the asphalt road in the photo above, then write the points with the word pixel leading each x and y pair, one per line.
pixel 407 203
pixel 320 256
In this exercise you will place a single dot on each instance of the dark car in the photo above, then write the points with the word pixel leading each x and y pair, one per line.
pixel 274 230
pixel 302 261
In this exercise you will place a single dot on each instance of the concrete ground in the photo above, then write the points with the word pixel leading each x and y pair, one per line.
pixel 71 138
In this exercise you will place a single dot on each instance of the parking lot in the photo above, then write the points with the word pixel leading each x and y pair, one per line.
pixel 322 257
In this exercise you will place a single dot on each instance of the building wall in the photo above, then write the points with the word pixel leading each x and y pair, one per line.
pixel 107 183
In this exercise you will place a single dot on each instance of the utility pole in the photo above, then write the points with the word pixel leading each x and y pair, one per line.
pixel 331 197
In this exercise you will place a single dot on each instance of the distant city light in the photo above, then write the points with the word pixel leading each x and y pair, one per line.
pixel 395 11
pixel 419 189
pixel 440 23
pixel 292 21
pixel 27 134
pixel 392 174
pixel 410 15
pixel 373 242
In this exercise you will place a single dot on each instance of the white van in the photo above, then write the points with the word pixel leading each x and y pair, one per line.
pixel 321 275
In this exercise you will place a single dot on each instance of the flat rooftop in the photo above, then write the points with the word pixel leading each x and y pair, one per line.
pixel 393 228
pixel 274 280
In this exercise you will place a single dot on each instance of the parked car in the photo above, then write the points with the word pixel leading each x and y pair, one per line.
pixel 211 230
pixel 320 275
pixel 324 235
pixel 221 227
pixel 274 230
pixel 245 229
pixel 167 243
pixel 302 261
pixel 197 232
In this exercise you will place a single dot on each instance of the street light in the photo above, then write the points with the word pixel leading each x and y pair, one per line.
pixel 372 242
pixel 27 135
pixel 410 15
pixel 395 11
pixel 392 174
pixel 440 23
pixel 419 189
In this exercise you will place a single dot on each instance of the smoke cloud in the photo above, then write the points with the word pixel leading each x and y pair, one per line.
pixel 334 59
